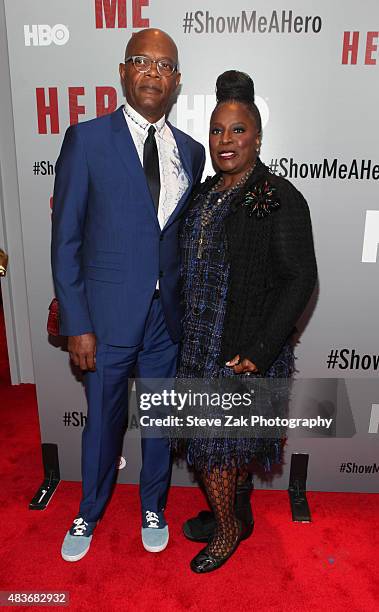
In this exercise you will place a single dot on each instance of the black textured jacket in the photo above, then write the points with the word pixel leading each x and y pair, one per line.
pixel 272 270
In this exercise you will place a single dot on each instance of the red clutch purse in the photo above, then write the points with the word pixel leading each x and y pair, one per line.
pixel 53 318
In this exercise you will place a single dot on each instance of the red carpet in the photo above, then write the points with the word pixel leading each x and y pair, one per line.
pixel 331 563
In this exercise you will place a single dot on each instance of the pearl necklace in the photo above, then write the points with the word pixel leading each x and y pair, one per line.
pixel 206 210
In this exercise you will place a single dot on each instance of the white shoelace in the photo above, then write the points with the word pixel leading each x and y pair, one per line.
pixel 152 519
pixel 80 526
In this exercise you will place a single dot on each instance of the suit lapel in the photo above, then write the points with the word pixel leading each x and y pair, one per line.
pixel 127 151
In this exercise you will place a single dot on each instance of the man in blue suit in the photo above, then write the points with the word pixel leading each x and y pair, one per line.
pixel 122 183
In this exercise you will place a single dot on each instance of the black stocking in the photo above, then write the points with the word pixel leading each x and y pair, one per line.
pixel 220 486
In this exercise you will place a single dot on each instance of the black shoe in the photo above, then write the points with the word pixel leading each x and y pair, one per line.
pixel 202 527
pixel 243 509
pixel 204 562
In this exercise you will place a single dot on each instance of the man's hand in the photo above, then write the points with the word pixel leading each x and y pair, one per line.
pixel 82 351
pixel 241 367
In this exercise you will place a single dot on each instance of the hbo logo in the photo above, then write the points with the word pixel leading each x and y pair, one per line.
pixel 44 35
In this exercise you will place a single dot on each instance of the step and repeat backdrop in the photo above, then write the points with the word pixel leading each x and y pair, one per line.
pixel 315 65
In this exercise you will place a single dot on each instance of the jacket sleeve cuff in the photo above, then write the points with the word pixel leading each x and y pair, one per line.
pixel 74 326
pixel 259 354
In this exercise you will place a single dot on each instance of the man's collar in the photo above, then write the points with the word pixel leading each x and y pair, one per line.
pixel 143 123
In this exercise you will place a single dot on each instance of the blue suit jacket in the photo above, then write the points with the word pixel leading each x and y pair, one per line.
pixel 107 246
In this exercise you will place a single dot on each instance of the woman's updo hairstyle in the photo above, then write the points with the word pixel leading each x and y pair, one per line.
pixel 235 86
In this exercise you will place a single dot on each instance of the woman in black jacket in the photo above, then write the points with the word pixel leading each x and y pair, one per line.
pixel 248 268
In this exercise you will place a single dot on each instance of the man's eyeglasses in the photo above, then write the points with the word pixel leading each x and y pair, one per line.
pixel 141 63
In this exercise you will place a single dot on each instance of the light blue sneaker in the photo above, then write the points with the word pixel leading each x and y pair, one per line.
pixel 77 540
pixel 154 531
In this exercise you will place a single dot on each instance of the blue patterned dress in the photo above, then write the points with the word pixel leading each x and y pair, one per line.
pixel 205 287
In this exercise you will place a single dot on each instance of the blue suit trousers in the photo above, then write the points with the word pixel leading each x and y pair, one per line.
pixel 107 398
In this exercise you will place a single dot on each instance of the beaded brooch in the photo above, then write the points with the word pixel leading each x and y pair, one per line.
pixel 261 200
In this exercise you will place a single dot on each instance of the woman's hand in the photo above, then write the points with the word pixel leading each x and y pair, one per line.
pixel 241 367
